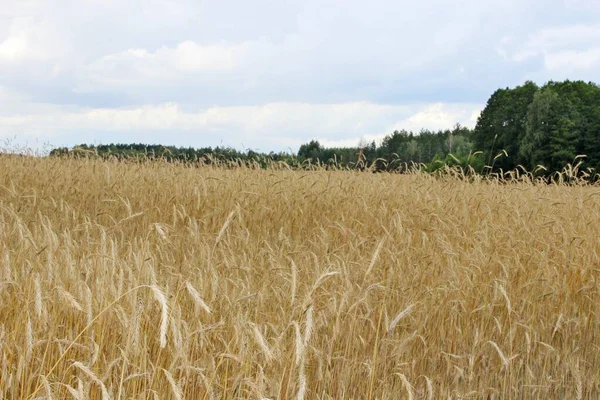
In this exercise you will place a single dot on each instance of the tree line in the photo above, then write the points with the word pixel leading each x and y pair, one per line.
pixel 528 127
pixel 400 149
pixel 544 126
pixel 143 152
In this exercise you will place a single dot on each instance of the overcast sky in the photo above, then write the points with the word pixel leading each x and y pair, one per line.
pixel 270 75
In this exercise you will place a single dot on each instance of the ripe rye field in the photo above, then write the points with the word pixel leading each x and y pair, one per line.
pixel 161 281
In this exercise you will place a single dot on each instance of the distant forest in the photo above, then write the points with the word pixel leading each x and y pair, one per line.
pixel 528 127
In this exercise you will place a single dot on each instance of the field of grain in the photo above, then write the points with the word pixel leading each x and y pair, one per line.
pixel 160 281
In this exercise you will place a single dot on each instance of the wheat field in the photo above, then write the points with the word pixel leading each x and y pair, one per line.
pixel 161 281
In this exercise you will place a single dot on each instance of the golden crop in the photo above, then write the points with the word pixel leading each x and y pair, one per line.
pixel 160 281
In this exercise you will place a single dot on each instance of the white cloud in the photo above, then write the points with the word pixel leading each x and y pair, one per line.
pixel 197 71
pixel 574 36
pixel 15 48
pixel 6 95
pixel 143 67
pixel 190 56
pixel 22 43
pixel 269 126
pixel 441 116
pixel 586 59
pixel 435 116
pixel 324 53
pixel 32 51
pixel 564 50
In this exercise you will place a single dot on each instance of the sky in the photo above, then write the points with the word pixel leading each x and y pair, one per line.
pixel 271 75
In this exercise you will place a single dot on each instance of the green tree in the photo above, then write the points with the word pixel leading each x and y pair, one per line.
pixel 552 135
pixel 501 124
pixel 311 150
pixel 585 97
pixel 392 144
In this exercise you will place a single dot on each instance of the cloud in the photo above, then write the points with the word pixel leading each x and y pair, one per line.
pixel 440 116
pixel 288 71
pixel 277 125
pixel 208 53
pixel 586 59
pixel 566 52
pixel 574 36
pixel 161 67
pixel 15 48
pixel 30 41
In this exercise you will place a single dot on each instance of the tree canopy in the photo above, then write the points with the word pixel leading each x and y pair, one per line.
pixel 547 126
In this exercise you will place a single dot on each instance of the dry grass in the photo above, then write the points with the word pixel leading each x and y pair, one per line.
pixel 163 281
